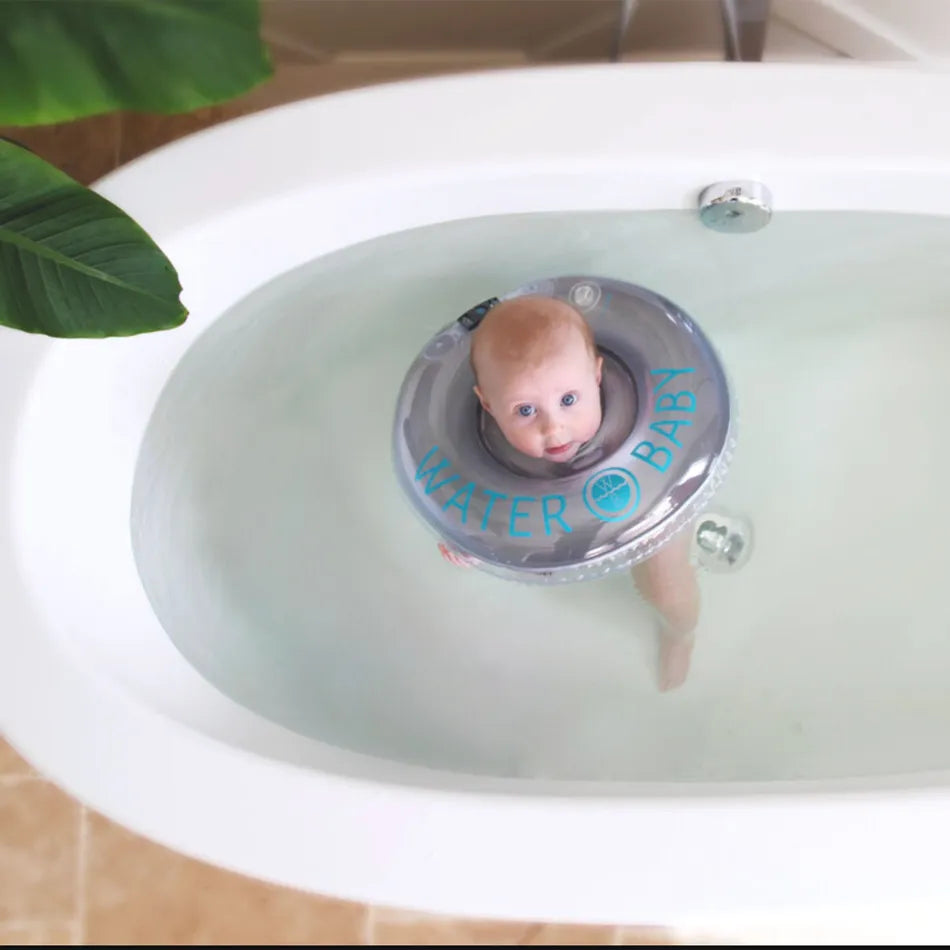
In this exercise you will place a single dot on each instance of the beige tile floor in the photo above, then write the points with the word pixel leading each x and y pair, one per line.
pixel 68 875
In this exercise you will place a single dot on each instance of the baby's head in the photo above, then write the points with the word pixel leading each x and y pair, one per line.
pixel 538 373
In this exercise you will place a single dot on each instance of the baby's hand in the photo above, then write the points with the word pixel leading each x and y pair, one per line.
pixel 456 557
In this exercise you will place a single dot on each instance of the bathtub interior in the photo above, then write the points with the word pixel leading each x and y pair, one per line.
pixel 281 561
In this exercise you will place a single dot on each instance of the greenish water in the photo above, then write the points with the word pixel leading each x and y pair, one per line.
pixel 277 552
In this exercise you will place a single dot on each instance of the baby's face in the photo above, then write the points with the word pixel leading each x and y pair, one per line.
pixel 550 410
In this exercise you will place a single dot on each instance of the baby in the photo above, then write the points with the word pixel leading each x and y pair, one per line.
pixel 538 374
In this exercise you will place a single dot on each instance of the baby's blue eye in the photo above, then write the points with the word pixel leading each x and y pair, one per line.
pixel 526 411
pixel 568 399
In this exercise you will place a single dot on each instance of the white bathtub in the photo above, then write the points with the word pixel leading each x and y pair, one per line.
pixel 93 692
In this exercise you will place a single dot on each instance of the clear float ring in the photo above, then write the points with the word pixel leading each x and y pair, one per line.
pixel 663 448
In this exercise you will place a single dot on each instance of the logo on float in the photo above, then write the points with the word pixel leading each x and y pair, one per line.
pixel 612 494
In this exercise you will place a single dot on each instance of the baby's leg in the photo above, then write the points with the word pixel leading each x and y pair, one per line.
pixel 668 582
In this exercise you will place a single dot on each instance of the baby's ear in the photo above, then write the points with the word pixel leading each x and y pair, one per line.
pixel 482 399
pixel 600 367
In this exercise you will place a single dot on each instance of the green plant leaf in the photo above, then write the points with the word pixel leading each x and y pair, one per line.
pixel 64 59
pixel 72 264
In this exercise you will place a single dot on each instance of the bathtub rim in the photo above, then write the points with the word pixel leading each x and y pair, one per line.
pixel 102 724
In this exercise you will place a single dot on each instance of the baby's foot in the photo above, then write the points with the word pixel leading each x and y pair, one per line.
pixel 675 655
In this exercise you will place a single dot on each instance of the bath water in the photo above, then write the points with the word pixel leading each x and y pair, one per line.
pixel 282 560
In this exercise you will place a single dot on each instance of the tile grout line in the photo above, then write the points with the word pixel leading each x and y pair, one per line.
pixel 315 55
pixel 369 926
pixel 82 866
pixel 7 781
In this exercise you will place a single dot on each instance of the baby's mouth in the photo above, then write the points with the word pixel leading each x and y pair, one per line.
pixel 561 453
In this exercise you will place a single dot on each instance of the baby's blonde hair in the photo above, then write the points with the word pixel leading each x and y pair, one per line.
pixel 526 331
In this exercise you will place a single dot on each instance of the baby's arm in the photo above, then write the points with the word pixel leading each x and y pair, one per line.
pixel 456 557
